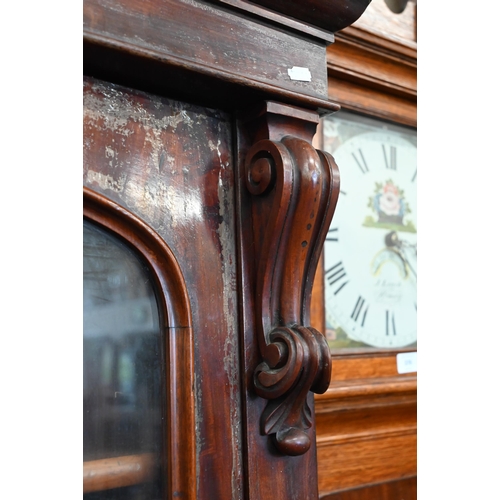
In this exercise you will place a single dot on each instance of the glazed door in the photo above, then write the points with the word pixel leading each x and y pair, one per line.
pixel 159 184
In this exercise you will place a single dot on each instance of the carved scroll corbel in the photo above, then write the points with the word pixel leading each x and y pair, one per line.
pixel 295 190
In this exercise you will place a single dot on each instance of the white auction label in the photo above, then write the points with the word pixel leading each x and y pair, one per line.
pixel 406 362
pixel 299 74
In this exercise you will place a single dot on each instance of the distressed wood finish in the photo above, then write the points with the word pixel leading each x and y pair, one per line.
pixel 181 33
pixel 189 107
pixel 170 164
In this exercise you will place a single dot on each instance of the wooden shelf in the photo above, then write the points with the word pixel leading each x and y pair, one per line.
pixel 118 472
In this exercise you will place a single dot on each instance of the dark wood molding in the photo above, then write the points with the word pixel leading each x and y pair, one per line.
pixel 380 43
pixel 175 313
pixel 294 190
pixel 194 49
pixel 243 356
pixel 259 11
pixel 331 16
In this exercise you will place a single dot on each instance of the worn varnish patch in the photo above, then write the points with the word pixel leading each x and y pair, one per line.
pixel 226 233
pixel 170 163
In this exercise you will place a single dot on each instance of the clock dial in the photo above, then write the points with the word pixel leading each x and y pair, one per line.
pixel 371 247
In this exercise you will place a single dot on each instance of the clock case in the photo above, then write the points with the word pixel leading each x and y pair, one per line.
pixel 366 422
pixel 360 205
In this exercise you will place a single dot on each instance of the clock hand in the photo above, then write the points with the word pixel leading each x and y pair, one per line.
pixel 392 241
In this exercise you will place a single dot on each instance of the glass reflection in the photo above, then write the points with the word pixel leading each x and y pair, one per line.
pixel 121 365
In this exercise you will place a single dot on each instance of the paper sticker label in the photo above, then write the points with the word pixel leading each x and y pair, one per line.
pixel 299 74
pixel 407 362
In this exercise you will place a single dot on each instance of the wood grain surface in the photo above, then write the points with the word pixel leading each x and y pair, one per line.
pixel 203 38
pixel 170 164
pixel 167 84
pixel 118 472
pixel 399 489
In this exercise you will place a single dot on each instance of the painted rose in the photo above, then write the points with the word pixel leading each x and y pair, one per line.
pixel 390 206
pixel 389 200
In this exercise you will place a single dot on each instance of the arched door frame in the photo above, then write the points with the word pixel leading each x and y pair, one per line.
pixel 179 462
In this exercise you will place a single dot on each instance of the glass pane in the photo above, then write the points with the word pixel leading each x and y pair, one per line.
pixel 121 369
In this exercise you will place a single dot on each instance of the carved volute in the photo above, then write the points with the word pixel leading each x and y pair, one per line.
pixel 294 192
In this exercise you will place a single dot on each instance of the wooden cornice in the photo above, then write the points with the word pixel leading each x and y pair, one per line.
pixel 331 15
pixel 382 42
pixel 375 73
pixel 386 69
pixel 214 51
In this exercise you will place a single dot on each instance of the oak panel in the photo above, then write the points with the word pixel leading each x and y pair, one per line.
pixel 367 460
pixel 373 102
pixel 379 70
pixel 366 420
pixel 399 489
pixel 375 365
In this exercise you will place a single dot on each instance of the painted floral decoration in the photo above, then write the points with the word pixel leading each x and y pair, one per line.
pixel 390 207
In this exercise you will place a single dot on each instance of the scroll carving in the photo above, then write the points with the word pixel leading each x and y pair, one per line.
pixel 295 190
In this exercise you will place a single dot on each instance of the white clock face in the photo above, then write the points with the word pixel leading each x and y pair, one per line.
pixel 370 252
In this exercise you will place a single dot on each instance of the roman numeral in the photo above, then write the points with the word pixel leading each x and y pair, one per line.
pixel 357 310
pixel 332 234
pixel 390 323
pixel 390 159
pixel 360 160
pixel 335 274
